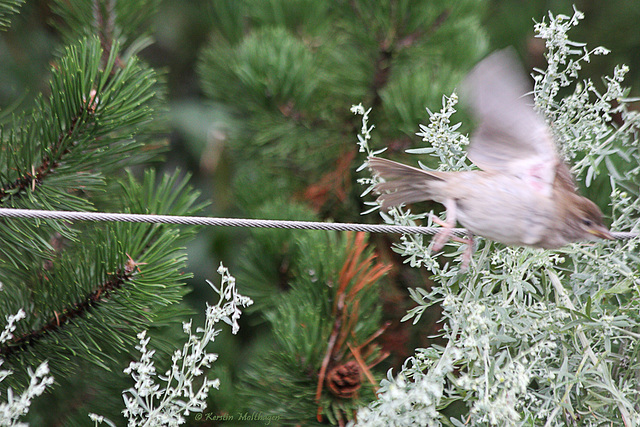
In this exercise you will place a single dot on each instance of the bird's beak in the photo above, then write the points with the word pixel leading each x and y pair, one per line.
pixel 600 232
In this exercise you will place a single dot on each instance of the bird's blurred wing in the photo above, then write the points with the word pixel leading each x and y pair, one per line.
pixel 511 137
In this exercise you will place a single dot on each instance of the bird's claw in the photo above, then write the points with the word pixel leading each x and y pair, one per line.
pixel 444 235
pixel 468 252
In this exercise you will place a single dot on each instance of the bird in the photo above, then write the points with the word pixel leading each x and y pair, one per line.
pixel 523 193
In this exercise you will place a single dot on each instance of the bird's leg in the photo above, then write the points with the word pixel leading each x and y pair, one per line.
pixel 443 235
pixel 468 252
pixel 452 236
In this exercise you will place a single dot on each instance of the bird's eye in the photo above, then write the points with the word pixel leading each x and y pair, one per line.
pixel 587 222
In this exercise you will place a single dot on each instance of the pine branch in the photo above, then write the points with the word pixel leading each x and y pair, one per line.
pixel 96 296
pixel 87 123
pixel 326 363
pixel 8 8
pixel 50 160
pixel 124 23
pixel 56 155
pixel 72 313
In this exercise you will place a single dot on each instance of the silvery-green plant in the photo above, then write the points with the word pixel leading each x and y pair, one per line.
pixel 533 337
pixel 17 405
pixel 165 400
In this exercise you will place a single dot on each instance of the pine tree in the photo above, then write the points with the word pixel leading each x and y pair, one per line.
pixel 88 289
pixel 290 71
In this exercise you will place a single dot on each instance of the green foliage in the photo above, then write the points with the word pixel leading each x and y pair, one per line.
pixel 94 298
pixel 295 280
pixel 520 327
pixel 305 322
pixel 125 22
pixel 62 150
pixel 267 260
pixel 290 69
pixel 88 289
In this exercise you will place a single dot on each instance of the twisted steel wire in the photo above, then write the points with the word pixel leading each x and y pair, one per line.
pixel 234 222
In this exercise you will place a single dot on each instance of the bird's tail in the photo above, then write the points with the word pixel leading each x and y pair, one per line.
pixel 403 184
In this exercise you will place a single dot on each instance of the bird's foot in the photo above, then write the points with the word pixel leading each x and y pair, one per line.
pixel 444 235
pixel 468 252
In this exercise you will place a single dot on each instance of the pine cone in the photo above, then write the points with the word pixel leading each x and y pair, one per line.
pixel 344 380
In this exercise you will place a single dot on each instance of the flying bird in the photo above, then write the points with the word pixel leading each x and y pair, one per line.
pixel 523 194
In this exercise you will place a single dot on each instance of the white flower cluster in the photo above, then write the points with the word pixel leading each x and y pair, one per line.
pixel 365 133
pixel 229 312
pixel 17 405
pixel 445 142
pixel 582 120
pixel 363 147
pixel 168 401
pixel 412 398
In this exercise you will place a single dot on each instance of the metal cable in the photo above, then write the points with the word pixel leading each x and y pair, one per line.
pixel 235 222
pixel 224 222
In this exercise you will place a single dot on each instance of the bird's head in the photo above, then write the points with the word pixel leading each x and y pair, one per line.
pixel 583 220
